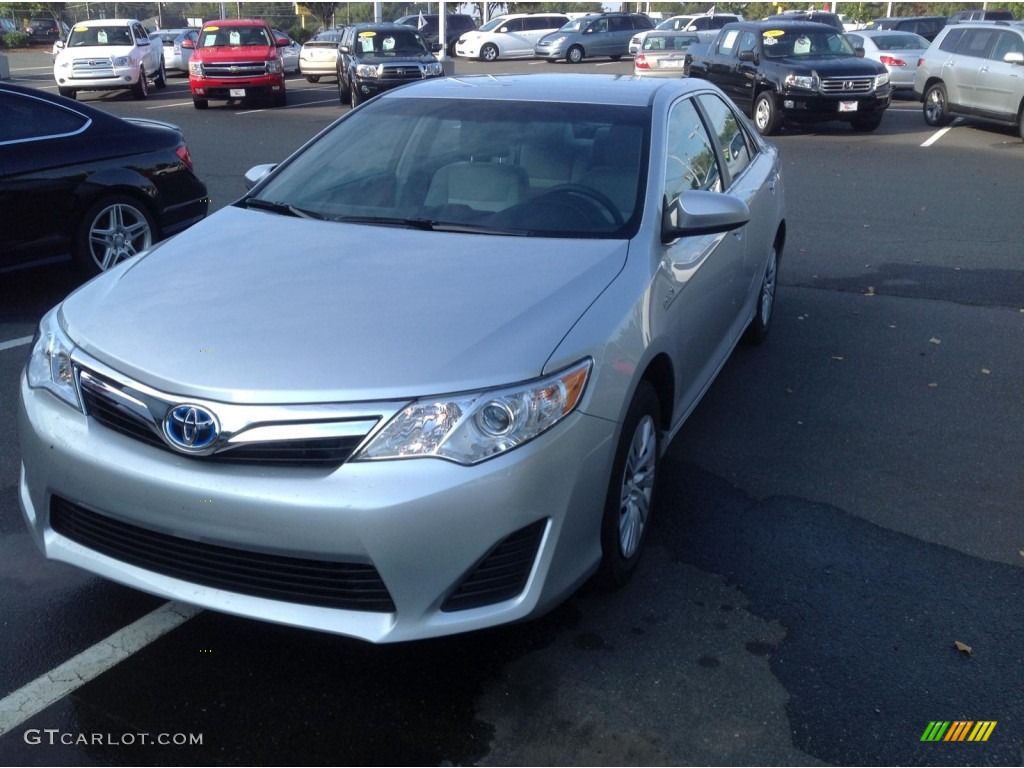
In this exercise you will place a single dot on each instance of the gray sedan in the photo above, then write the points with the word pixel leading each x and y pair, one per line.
pixel 419 379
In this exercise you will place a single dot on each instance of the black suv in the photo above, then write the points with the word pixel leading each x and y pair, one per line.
pixel 818 17
pixel 375 57
pixel 925 26
pixel 455 24
pixel 45 30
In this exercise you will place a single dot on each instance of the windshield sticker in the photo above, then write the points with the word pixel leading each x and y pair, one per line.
pixel 211 29
pixel 81 29
pixel 774 33
pixel 101 37
pixel 368 33
pixel 234 37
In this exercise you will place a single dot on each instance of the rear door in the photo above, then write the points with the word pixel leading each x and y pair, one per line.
pixel 513 38
pixel 1000 84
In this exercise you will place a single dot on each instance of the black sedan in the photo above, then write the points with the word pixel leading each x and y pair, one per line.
pixel 76 180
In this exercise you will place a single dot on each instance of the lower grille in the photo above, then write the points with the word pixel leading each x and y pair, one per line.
pixel 321 583
pixel 502 574
pixel 235 69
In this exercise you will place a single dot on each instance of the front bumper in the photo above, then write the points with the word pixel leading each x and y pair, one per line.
pixel 552 52
pixel 812 107
pixel 424 525
pixel 370 87
pixel 119 77
pixel 218 88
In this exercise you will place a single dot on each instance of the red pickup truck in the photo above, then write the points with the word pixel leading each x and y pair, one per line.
pixel 237 59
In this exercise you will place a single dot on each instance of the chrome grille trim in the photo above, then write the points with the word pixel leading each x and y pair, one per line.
pixel 848 85
pixel 235 69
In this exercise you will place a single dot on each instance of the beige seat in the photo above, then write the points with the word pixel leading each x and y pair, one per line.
pixel 483 186
pixel 615 166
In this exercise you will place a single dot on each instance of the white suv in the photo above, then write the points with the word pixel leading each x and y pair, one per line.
pixel 974 69
pixel 104 54
pixel 508 36
pixel 693 22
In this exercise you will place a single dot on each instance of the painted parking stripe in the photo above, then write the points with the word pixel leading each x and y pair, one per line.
pixel 31 699
pixel 15 343
pixel 941 132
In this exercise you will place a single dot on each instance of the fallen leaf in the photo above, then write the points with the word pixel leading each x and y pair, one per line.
pixel 790 392
pixel 933 340
pixel 933 385
pixel 837 357
pixel 893 325
pixel 986 371
pixel 963 647
pixel 871 291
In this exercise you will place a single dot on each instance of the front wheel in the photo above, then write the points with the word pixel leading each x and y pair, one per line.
pixel 279 100
pixel 161 77
pixel 766 115
pixel 200 103
pixel 357 97
pixel 141 89
pixel 489 52
pixel 575 55
pixel 114 229
pixel 936 108
pixel 630 500
pixel 758 328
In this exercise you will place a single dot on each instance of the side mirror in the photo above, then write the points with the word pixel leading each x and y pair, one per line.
pixel 187 44
pixel 1014 57
pixel 436 47
pixel 257 173
pixel 859 50
pixel 59 45
pixel 697 212
pixel 748 56
pixel 344 49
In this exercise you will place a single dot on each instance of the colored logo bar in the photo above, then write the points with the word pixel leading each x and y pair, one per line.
pixel 958 730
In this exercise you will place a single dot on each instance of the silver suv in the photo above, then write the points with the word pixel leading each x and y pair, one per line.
pixel 974 69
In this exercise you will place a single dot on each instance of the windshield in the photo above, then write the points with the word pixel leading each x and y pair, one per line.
pixel 391 42
pixel 213 37
pixel 805 42
pixel 492 24
pixel 90 36
pixel 573 25
pixel 479 165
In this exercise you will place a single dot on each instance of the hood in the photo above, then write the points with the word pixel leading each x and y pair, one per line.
pixel 390 57
pixel 830 66
pixel 249 306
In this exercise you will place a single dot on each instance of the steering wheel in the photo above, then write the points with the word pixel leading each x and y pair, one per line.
pixel 591 195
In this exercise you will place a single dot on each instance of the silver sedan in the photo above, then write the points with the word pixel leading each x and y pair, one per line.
pixel 443 406
pixel 897 51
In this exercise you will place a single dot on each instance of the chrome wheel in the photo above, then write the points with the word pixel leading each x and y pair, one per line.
pixel 768 288
pixel 637 486
pixel 489 52
pixel 117 232
pixel 935 111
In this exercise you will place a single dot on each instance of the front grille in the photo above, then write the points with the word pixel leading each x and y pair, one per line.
pixel 107 412
pixel 321 583
pixel 848 85
pixel 322 452
pixel 502 574
pixel 401 72
pixel 92 68
pixel 235 69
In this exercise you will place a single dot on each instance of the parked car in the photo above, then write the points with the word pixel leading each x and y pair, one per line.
pixel 980 14
pixel 6 26
pixel 237 59
pixel 289 53
pixel 925 26
pixel 376 442
pixel 692 22
pixel 176 57
pixel 818 17
pixel 109 54
pixel 898 52
pixel 993 56
pixel 428 25
pixel 79 181
pixel 373 58
pixel 601 34
pixel 319 56
pixel 663 54
pixel 511 36
pixel 45 30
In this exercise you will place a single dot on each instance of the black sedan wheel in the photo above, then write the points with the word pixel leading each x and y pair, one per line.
pixel 114 229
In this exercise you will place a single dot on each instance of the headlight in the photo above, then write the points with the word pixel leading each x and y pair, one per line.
pixel 121 61
pixel 366 70
pixel 275 66
pixel 807 82
pixel 49 366
pixel 881 80
pixel 472 427
pixel 556 40
pixel 195 68
pixel 433 69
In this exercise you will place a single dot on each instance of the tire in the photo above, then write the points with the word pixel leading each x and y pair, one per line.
pixel 936 106
pixel 630 500
pixel 615 58
pixel 356 97
pixel 313 78
pixel 115 228
pixel 280 100
pixel 68 92
pixel 757 331
pixel 765 114
pixel 489 52
pixel 141 89
pixel 574 55
pixel 867 124
pixel 200 103
pixel 161 79
pixel 1020 123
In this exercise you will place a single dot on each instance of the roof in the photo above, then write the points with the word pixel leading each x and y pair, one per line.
pixel 236 23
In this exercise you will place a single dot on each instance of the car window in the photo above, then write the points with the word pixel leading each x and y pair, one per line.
pixel 728 41
pixel 690 162
pixel 976 42
pixel 856 40
pixel 952 40
pixel 27 119
pixel 900 42
pixel 1006 42
pixel 748 41
pixel 619 24
pixel 725 127
pixel 395 41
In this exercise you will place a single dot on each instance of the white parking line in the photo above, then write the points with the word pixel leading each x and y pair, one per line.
pixel 15 343
pixel 31 699
pixel 941 132
pixel 290 106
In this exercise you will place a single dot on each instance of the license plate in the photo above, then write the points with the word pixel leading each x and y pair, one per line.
pixel 237 93
pixel 675 63
pixel 847 106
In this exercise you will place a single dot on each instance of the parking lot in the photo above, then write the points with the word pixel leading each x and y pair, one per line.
pixel 841 510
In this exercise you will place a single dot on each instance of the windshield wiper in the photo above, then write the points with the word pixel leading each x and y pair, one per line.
pixel 429 225
pixel 285 209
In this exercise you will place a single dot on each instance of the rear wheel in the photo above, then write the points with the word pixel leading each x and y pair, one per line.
pixel 630 500
pixel 141 89
pixel 574 55
pixel 766 115
pixel 936 108
pixel 313 78
pixel 489 52
pixel 114 229
pixel 758 328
